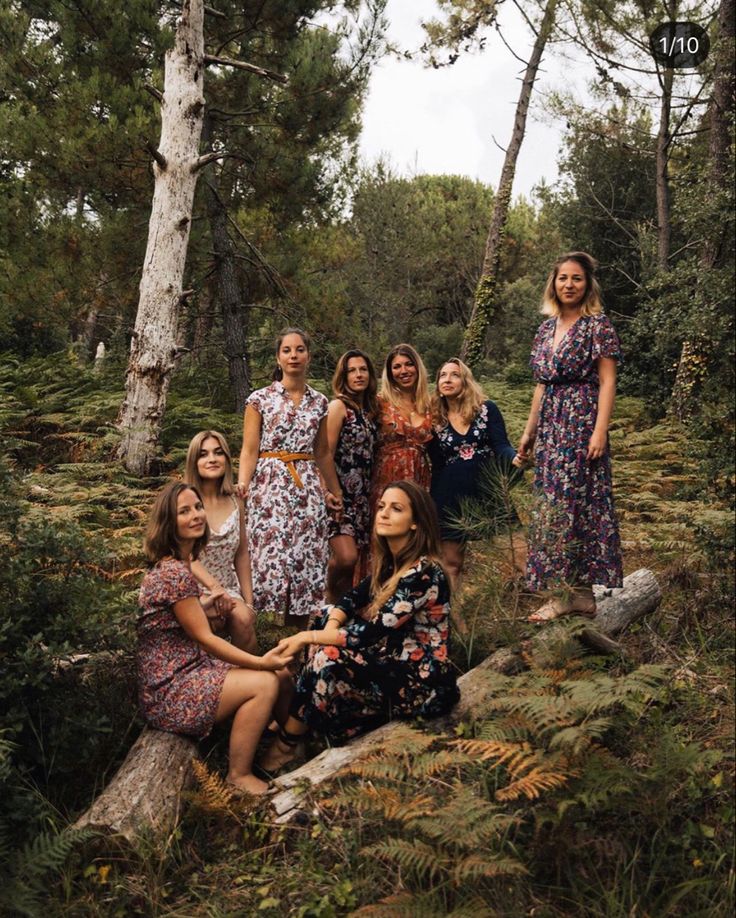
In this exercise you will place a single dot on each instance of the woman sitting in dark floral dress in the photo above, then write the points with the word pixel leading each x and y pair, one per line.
pixel 189 678
pixel 381 652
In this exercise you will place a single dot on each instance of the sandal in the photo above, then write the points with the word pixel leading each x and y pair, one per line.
pixel 281 756
pixel 583 602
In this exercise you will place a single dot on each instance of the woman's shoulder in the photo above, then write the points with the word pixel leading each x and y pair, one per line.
pixel 168 575
pixel 259 396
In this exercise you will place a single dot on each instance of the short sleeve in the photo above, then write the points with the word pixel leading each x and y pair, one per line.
pixel 538 341
pixel 180 583
pixel 604 340
pixel 255 400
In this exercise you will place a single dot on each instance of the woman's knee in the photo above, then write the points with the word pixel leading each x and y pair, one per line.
pixel 243 616
pixel 344 556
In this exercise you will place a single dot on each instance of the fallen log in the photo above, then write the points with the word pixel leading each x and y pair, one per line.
pixel 146 791
pixel 617 610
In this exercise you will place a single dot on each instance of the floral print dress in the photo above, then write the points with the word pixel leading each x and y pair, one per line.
pixel 394 665
pixel 354 464
pixel 402 450
pixel 574 535
pixel 287 525
pixel 218 556
pixel 179 683
pixel 459 462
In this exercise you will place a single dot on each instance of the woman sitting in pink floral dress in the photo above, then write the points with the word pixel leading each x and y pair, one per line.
pixel 189 678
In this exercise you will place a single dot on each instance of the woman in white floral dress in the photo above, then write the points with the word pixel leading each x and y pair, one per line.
pixel 223 567
pixel 284 446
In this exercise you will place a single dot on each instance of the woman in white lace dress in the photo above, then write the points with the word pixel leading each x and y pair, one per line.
pixel 223 567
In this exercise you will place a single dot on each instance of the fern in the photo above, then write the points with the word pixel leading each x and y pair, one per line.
pixel 25 872
pixel 416 856
pixel 532 784
pixel 214 795
pixel 475 866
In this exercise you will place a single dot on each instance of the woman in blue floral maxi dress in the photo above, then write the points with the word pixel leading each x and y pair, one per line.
pixel 574 539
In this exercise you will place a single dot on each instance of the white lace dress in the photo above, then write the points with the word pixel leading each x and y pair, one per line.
pixel 218 557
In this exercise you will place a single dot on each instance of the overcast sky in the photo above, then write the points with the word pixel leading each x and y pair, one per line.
pixel 444 121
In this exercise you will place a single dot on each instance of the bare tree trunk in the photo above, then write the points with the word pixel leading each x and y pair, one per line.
pixel 485 294
pixel 664 221
pixel 230 294
pixel 153 346
pixel 693 363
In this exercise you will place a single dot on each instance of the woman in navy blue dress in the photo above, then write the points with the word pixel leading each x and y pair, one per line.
pixel 470 435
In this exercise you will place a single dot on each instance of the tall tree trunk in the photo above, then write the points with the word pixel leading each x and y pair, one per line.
pixel 664 221
pixel 485 294
pixel 153 346
pixel 229 291
pixel 693 363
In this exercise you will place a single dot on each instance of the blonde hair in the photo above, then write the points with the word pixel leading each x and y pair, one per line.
pixel 161 539
pixel 469 400
pixel 390 391
pixel 423 542
pixel 592 304
pixel 191 473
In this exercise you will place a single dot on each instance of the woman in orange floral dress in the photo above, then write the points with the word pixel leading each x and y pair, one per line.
pixel 404 422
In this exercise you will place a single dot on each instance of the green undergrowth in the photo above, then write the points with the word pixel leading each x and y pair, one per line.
pixel 590 785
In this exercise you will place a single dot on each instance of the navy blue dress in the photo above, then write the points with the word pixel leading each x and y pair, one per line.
pixel 462 462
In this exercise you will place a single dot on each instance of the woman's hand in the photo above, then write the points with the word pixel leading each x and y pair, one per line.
pixel 597 444
pixel 334 504
pixel 241 490
pixel 292 646
pixel 523 454
pixel 274 659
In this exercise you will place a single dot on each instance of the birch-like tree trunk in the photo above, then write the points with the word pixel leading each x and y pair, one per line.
pixel 481 315
pixel 153 346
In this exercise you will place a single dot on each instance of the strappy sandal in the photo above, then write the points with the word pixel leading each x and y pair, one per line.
pixel 291 741
pixel 583 602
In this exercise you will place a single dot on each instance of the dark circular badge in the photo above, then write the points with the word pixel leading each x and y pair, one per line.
pixel 679 45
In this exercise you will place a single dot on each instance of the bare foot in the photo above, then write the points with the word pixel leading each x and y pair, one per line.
pixel 277 755
pixel 248 784
pixel 550 611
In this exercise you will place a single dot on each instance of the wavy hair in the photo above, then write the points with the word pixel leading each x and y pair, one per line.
pixel 340 382
pixel 423 542
pixel 469 401
pixel 390 391
pixel 278 373
pixel 592 304
pixel 161 539
pixel 191 472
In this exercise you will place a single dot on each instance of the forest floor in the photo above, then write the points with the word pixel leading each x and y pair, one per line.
pixel 595 786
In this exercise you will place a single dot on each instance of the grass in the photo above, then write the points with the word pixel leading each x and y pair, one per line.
pixel 238 862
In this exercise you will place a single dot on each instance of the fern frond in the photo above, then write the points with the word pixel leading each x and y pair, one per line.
pixel 404 904
pixel 390 805
pixel 532 784
pixel 466 822
pixel 214 794
pixel 417 856
pixel 477 865
pixel 575 740
pixel 376 767
pixel 434 763
pixel 516 757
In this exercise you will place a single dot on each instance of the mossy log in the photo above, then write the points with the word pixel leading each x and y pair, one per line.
pixel 146 792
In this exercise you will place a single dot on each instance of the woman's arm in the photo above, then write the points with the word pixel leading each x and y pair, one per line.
pixel 191 616
pixel 606 398
pixel 249 452
pixel 326 466
pixel 530 431
pixel 497 435
pixel 204 577
pixel 242 563
pixel 336 414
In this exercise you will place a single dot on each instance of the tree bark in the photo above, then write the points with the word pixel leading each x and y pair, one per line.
pixel 232 301
pixel 153 346
pixel 481 315
pixel 693 362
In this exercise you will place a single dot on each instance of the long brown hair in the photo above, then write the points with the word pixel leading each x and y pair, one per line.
pixel 278 372
pixel 340 382
pixel 470 399
pixel 161 539
pixel 191 472
pixel 592 304
pixel 423 542
pixel 389 389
